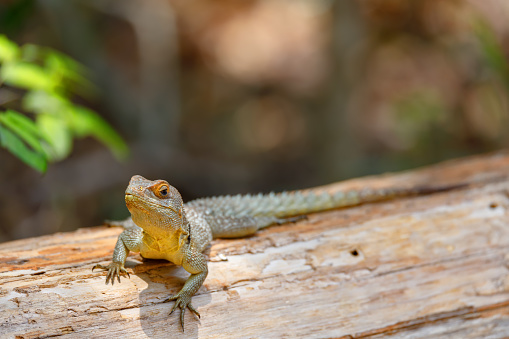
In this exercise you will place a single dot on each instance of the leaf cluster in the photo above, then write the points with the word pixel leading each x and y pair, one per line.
pixel 48 80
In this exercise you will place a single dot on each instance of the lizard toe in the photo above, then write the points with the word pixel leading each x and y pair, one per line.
pixel 114 269
pixel 182 302
pixel 174 307
pixel 123 270
pixel 171 298
pixel 98 266
pixel 182 312
pixel 192 309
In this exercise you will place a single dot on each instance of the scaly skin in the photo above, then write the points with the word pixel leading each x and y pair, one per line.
pixel 162 227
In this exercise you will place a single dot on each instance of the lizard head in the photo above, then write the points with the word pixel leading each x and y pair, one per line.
pixel 156 206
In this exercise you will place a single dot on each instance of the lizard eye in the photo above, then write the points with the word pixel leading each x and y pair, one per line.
pixel 162 191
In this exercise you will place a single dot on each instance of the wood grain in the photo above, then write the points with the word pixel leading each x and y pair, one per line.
pixel 414 267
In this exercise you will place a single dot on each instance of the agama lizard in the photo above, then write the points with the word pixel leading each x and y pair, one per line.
pixel 163 227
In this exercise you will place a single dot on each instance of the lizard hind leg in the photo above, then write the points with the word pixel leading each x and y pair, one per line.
pixel 237 227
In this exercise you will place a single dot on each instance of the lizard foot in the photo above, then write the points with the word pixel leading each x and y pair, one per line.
pixel 114 270
pixel 182 301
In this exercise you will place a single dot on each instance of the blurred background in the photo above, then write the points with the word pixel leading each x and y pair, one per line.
pixel 223 97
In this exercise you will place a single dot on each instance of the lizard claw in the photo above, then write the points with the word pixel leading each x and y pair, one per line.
pixel 182 302
pixel 115 269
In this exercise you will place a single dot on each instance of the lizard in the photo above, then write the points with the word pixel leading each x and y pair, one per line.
pixel 161 226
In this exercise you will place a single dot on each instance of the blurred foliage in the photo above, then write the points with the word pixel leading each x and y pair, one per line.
pixel 48 79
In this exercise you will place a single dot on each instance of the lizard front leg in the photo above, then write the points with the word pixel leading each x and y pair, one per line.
pixel 129 240
pixel 194 262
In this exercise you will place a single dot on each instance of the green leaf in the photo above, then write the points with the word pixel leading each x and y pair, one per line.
pixel 15 145
pixel 58 135
pixel 62 63
pixel 9 51
pixel 23 127
pixel 49 78
pixel 86 122
pixel 63 67
pixel 44 102
pixel 27 75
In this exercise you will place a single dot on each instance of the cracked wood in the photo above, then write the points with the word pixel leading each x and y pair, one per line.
pixel 434 265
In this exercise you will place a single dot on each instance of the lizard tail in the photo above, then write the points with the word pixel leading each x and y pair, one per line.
pixel 320 199
pixel 289 204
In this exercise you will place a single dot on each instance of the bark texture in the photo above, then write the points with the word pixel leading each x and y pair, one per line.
pixel 414 267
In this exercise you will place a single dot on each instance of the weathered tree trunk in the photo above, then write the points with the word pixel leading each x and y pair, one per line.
pixel 418 267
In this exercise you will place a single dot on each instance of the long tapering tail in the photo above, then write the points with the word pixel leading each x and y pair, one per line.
pixel 288 204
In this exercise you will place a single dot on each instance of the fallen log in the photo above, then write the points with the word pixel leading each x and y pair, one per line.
pixel 424 266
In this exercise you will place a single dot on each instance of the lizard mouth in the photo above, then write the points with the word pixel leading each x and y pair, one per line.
pixel 135 201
